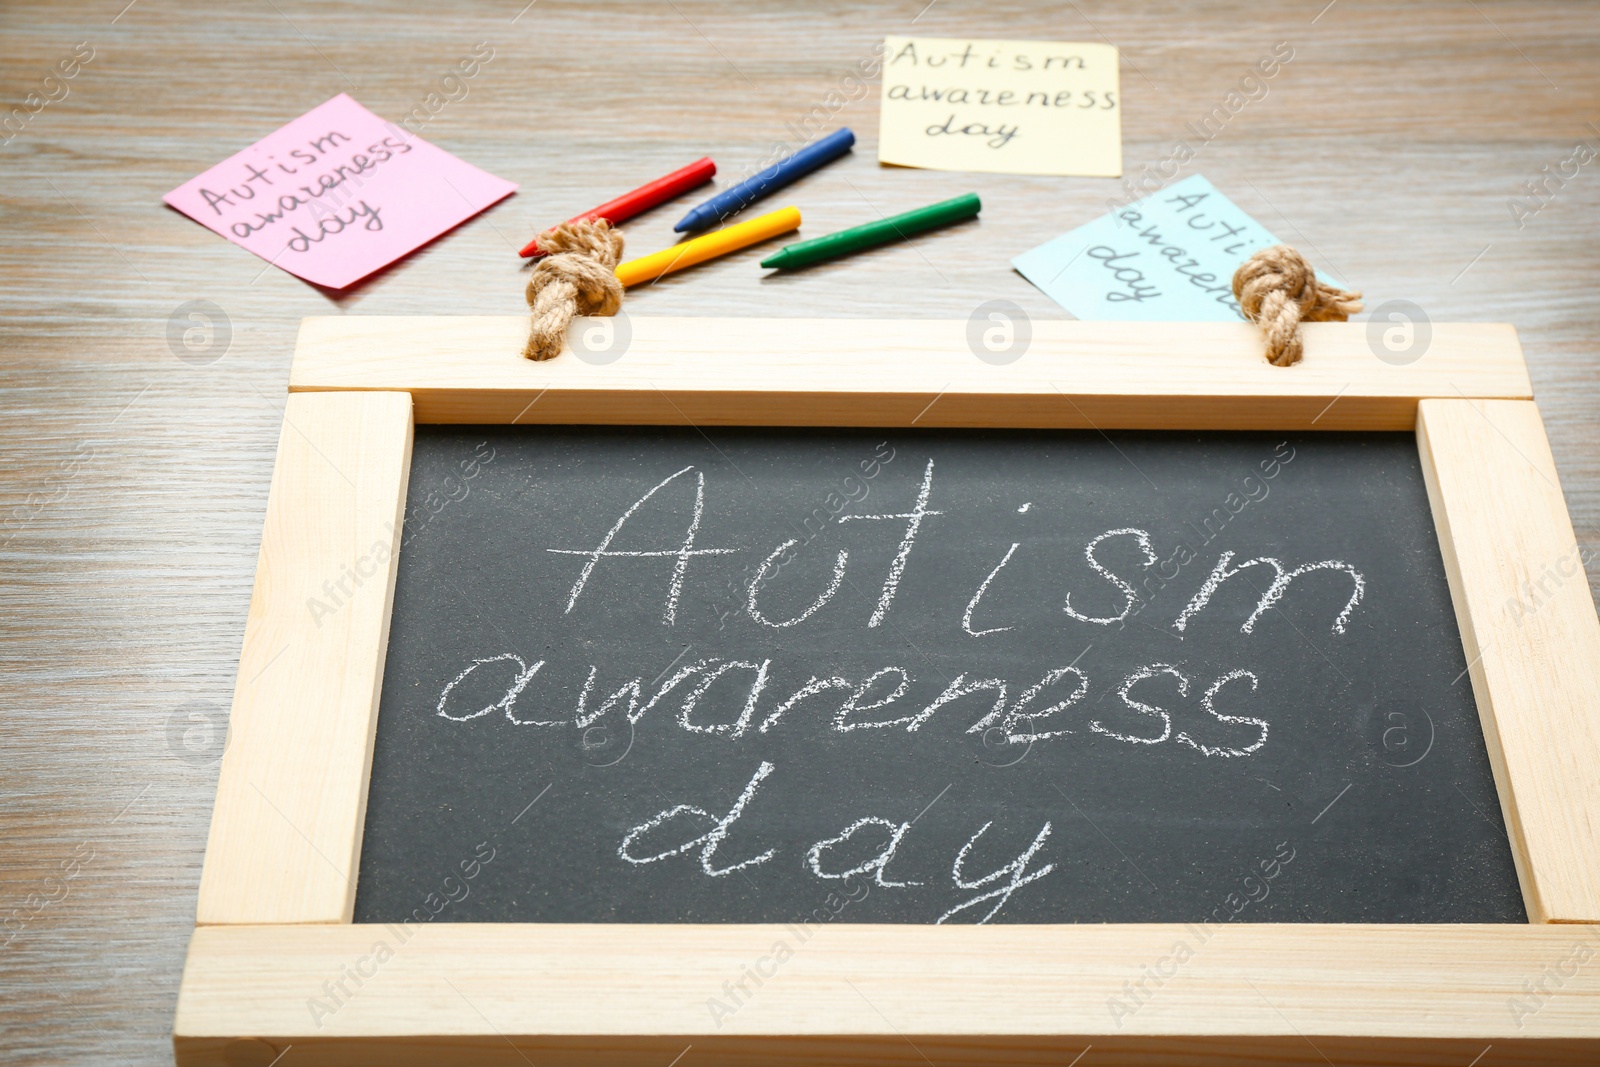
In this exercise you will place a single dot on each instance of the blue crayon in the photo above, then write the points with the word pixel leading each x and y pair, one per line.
pixel 767 182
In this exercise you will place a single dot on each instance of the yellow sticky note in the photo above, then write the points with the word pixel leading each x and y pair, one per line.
pixel 1005 107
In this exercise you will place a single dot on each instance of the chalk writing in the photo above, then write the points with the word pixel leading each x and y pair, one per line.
pixel 680 555
pixel 885 687
pixel 742 701
pixel 816 605
pixel 1205 702
pixel 733 729
pixel 852 490
pixel 1152 671
pixel 875 865
pixel 1280 584
pixel 1143 539
pixel 959 688
pixel 983 587
pixel 1017 714
pixel 708 841
pixel 913 519
pixel 1015 869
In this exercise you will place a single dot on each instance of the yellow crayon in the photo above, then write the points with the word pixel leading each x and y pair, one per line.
pixel 708 246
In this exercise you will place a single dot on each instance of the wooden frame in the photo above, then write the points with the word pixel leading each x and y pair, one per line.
pixel 277 894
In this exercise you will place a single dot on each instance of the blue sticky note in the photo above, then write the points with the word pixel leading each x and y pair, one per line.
pixel 1167 258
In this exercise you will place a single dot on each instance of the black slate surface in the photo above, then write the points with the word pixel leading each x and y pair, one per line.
pixel 1365 797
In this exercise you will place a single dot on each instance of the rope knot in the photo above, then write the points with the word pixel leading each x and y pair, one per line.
pixel 1277 290
pixel 576 277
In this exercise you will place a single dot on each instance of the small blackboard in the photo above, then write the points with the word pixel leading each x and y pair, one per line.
pixel 650 675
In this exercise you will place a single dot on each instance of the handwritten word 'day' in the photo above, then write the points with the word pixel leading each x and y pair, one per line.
pixel 1005 880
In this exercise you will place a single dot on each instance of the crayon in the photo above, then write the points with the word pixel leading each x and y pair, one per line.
pixel 708 246
pixel 871 234
pixel 769 181
pixel 643 198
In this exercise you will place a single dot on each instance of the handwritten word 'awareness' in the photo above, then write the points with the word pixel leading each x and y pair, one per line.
pixel 1030 718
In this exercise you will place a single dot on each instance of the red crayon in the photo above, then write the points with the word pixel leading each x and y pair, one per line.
pixel 643 198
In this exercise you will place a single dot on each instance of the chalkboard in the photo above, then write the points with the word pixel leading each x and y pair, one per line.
pixel 664 675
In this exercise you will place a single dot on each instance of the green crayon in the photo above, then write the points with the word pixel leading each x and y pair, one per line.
pixel 872 234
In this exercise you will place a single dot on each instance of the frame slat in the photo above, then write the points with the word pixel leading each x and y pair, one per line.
pixel 1531 635
pixel 881 372
pixel 291 799
pixel 615 994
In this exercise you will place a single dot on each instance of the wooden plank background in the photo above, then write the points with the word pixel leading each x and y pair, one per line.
pixel 133 483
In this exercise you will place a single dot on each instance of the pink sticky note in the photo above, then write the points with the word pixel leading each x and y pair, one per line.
pixel 337 194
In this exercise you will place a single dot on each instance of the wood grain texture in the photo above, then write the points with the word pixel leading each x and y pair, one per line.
pixel 900 1050
pixel 1531 638
pixel 900 372
pixel 617 993
pixel 134 483
pixel 292 797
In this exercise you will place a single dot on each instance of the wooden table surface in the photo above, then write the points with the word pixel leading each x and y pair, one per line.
pixel 133 481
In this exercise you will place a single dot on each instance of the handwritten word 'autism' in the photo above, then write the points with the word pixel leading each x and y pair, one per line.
pixel 910 525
